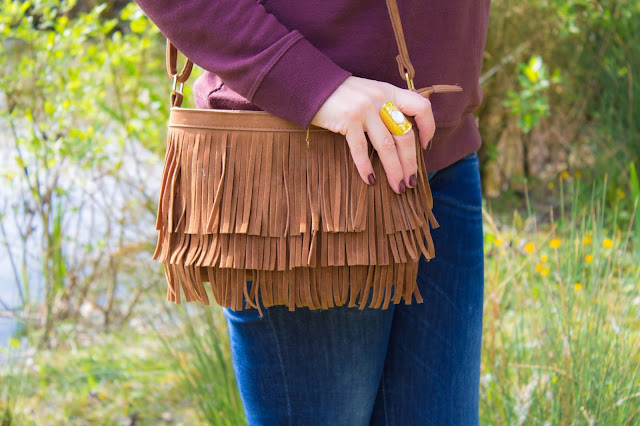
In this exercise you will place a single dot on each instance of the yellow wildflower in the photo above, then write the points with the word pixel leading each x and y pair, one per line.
pixel 555 243
pixel 529 248
pixel 544 258
pixel 620 193
pixel 577 286
pixel 564 174
pixel 539 267
pixel 498 242
pixel 550 185
pixel 607 243
pixel 586 240
pixel 588 258
pixel 544 271
pixel 578 174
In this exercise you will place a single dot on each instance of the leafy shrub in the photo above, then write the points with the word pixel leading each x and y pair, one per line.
pixel 80 96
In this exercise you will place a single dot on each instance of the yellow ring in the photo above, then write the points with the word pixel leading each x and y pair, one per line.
pixel 394 119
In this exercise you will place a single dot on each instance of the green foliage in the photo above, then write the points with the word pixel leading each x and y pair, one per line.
pixel 80 83
pixel 531 103
pixel 610 64
pixel 574 14
pixel 588 104
pixel 601 39
pixel 80 89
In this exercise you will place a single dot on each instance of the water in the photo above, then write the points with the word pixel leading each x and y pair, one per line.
pixel 7 328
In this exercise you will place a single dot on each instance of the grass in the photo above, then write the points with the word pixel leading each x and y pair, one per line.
pixel 562 325
pixel 561 342
pixel 204 364
pixel 122 377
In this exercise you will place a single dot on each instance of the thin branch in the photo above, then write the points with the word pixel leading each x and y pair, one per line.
pixel 505 60
pixel 13 264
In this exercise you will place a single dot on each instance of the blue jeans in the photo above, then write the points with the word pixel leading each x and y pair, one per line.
pixel 415 364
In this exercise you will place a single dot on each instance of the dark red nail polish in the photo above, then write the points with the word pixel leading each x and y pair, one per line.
pixel 413 180
pixel 372 178
pixel 402 187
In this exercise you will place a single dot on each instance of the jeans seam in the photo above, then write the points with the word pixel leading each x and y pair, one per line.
pixel 284 376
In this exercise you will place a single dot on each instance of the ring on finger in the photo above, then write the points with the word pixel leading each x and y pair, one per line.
pixel 394 119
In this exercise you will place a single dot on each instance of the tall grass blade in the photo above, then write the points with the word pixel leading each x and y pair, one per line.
pixel 635 197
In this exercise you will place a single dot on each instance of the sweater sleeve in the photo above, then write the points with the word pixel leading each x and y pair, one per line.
pixel 252 52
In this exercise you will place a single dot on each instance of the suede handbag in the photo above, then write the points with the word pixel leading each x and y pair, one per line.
pixel 271 213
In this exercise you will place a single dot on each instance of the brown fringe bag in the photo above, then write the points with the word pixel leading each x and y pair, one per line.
pixel 248 196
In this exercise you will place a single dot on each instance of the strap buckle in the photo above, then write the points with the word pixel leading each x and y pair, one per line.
pixel 176 97
pixel 409 81
pixel 175 85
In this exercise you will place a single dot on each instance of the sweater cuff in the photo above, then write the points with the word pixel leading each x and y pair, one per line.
pixel 299 83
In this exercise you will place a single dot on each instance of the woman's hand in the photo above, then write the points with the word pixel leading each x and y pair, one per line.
pixel 354 108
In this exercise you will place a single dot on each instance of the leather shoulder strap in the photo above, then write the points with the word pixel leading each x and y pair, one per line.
pixel 172 63
pixel 404 64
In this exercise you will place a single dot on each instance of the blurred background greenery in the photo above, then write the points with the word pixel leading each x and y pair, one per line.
pixel 83 108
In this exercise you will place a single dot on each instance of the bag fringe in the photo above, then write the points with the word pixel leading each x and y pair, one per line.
pixel 236 202
pixel 326 287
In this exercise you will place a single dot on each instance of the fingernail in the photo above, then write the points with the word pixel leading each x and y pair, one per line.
pixel 402 187
pixel 413 180
pixel 372 179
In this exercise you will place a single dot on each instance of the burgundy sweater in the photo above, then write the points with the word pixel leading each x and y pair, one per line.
pixel 287 56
